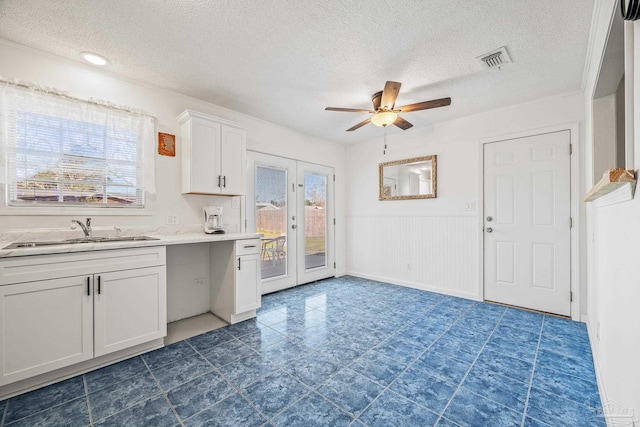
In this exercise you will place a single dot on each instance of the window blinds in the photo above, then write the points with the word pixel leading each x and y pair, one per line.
pixel 60 150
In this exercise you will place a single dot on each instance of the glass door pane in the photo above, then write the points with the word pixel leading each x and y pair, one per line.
pixel 271 219
pixel 315 220
pixel 315 224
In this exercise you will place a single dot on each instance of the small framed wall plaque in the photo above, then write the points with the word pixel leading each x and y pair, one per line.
pixel 166 144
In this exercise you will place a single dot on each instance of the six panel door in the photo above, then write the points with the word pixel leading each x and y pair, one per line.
pixel 527 222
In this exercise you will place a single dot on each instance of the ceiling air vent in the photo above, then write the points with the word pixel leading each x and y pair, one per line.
pixel 495 59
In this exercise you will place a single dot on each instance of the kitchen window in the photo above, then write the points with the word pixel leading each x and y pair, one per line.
pixel 58 150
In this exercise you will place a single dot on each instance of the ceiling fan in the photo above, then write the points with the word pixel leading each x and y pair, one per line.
pixel 384 111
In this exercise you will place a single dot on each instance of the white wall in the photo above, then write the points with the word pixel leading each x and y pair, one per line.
pixel 436 236
pixel 90 82
pixel 613 235
pixel 604 134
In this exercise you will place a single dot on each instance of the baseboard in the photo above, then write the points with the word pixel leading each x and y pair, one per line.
pixel 48 378
pixel 421 286
pixel 596 364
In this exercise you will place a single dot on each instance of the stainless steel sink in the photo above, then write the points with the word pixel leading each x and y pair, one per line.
pixel 21 245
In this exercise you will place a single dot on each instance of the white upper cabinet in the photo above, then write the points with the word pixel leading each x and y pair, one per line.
pixel 213 155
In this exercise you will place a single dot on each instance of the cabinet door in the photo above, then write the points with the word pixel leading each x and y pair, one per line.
pixel 44 325
pixel 248 288
pixel 205 157
pixel 130 308
pixel 233 159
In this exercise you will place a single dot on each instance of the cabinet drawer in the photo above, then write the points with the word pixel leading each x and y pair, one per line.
pixel 44 267
pixel 247 247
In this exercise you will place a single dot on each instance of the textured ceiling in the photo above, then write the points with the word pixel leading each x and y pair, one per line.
pixel 285 60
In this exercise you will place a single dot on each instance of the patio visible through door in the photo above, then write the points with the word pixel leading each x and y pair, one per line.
pixel 293 210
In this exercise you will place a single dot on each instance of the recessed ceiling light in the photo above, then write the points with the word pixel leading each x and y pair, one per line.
pixel 94 58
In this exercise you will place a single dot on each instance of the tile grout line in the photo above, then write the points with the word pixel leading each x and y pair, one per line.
pixel 4 412
pixel 533 371
pixel 228 381
pixel 471 367
pixel 412 362
pixel 86 394
pixel 116 383
pixel 43 410
pixel 161 392
pixel 312 389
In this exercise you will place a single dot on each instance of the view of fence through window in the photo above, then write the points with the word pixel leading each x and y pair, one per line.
pixel 271 220
pixel 315 212
pixel 65 161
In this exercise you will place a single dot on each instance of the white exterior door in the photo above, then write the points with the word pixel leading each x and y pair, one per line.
pixel 527 222
pixel 271 202
pixel 315 223
pixel 291 204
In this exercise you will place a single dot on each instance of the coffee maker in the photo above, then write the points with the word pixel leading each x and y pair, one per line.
pixel 213 220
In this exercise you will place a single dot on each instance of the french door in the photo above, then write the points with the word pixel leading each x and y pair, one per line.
pixel 291 204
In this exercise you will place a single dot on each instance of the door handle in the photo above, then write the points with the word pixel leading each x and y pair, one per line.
pixel 489 230
pixel 224 181
pixel 99 286
pixel 238 263
pixel 219 179
pixel 88 286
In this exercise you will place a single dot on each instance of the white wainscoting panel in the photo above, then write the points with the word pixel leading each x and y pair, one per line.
pixel 436 253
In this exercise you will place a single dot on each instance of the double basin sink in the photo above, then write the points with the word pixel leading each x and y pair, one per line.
pixel 21 245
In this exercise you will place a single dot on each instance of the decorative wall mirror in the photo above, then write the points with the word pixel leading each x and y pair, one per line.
pixel 408 179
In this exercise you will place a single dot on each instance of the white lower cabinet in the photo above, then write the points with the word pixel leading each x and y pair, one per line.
pixel 53 323
pixel 129 308
pixel 46 325
pixel 235 279
pixel 247 286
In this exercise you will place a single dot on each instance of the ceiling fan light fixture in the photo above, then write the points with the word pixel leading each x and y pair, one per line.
pixel 384 118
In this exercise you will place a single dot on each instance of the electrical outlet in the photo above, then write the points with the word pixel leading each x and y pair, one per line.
pixel 469 206
pixel 172 219
pixel 235 202
pixel 409 266
pixel 199 282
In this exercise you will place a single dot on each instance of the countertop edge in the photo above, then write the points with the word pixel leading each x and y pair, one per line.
pixel 164 240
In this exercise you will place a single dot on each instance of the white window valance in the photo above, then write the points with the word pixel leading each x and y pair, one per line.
pixel 56 149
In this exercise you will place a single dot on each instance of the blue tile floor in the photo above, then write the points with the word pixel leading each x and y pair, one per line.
pixel 343 352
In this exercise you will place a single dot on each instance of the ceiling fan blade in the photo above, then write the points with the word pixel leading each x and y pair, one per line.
pixel 402 123
pixel 389 94
pixel 359 125
pixel 434 103
pixel 349 110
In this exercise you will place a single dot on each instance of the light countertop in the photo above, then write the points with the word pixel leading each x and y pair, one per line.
pixel 179 238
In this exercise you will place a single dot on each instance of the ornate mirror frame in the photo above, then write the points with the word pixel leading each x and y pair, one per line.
pixel 388 184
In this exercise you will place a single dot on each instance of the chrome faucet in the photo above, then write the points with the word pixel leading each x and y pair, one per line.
pixel 85 228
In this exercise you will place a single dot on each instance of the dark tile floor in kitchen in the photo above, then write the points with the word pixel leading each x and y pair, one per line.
pixel 341 352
